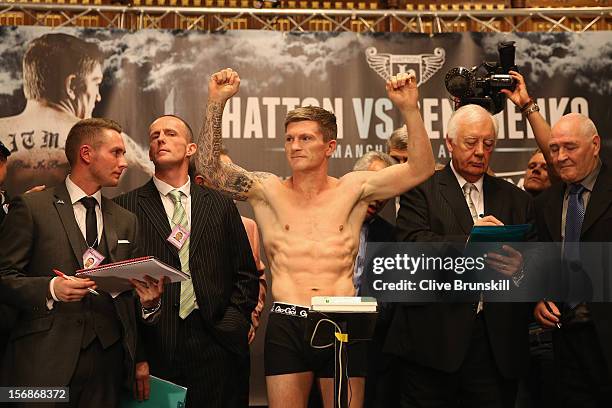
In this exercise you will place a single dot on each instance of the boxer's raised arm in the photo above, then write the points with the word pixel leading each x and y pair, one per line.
pixel 226 177
pixel 394 180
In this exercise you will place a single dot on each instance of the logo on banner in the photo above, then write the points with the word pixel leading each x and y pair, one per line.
pixel 423 66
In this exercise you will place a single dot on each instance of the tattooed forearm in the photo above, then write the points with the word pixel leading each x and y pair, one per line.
pixel 229 178
pixel 242 183
pixel 209 140
pixel 236 182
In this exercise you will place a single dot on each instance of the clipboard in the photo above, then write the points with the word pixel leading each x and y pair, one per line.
pixel 113 278
pixel 499 233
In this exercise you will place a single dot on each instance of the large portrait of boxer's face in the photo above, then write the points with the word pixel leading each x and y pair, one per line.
pixel 61 78
pixel 88 92
pixel 63 72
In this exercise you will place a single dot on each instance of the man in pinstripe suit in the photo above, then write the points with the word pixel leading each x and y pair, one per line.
pixel 201 339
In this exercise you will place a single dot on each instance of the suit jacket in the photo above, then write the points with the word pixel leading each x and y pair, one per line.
pixel 380 230
pixel 3 205
pixel 437 335
pixel 39 234
pixel 596 227
pixel 8 315
pixel 220 262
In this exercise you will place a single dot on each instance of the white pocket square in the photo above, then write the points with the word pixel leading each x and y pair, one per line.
pixel 123 241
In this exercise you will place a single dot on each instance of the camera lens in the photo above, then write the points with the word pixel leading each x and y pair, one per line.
pixel 459 82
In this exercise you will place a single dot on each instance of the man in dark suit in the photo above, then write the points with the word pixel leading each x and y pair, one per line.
pixel 537 388
pixel 462 354
pixel 381 381
pixel 201 339
pixel 578 210
pixel 7 315
pixel 375 228
pixel 4 199
pixel 65 335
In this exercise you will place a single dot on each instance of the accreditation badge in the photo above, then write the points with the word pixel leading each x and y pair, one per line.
pixel 92 258
pixel 178 236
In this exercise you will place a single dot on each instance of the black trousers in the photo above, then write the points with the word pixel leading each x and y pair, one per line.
pixel 583 380
pixel 477 383
pixel 382 380
pixel 97 380
pixel 214 377
pixel 538 389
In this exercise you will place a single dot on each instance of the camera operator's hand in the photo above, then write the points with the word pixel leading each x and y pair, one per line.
pixel 403 92
pixel 519 96
pixel 541 129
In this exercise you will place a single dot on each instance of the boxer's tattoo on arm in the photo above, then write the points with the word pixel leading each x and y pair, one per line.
pixel 209 140
pixel 229 178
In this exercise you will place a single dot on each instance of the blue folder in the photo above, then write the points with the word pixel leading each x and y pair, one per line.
pixel 499 233
pixel 164 394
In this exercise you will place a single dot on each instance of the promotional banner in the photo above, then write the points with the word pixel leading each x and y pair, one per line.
pixel 151 72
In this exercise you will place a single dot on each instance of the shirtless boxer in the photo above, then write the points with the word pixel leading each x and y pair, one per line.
pixel 310 225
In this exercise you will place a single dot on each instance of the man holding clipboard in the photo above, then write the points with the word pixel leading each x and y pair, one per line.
pixel 468 352
pixel 66 335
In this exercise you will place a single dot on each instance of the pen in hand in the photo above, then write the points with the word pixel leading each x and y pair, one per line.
pixel 558 324
pixel 64 276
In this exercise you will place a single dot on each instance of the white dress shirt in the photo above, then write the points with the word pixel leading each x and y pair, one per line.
pixel 80 211
pixel 477 192
pixel 76 193
pixel 164 192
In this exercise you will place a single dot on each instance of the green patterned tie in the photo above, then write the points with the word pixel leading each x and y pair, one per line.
pixel 188 300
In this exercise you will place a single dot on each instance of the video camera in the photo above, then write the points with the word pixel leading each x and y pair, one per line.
pixel 481 84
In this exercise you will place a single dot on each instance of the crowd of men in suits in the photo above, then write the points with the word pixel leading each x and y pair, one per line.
pixel 197 333
pixel 477 355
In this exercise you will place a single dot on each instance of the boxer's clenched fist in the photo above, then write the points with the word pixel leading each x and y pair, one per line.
pixel 223 85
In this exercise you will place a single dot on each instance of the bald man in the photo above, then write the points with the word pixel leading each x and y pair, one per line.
pixel 578 210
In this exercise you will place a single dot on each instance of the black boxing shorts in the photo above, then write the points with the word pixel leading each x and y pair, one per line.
pixel 287 350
